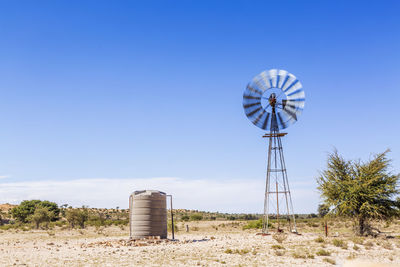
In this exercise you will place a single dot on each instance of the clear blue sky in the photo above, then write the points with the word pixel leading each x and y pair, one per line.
pixel 127 90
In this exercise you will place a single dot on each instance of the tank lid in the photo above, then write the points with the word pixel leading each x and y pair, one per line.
pixel 147 192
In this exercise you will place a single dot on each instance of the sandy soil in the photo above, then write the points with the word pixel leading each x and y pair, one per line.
pixel 207 244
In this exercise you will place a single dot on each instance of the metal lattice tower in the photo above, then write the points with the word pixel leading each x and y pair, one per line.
pixel 273 101
pixel 277 185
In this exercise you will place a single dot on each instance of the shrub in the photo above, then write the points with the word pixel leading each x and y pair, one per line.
pixel 279 252
pixel 196 217
pixel 185 218
pixel 320 239
pixel 28 207
pixel 277 247
pixel 387 245
pixel 279 237
pixel 298 255
pixel 41 215
pixel 77 217
pixel 323 252
pixel 339 243
pixel 331 261
pixel 228 251
pixel 237 251
pixel 369 245
pixel 170 227
pixel 253 225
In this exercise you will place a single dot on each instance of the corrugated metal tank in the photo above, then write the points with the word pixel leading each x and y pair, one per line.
pixel 148 214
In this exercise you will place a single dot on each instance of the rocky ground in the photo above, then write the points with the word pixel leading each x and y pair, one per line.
pixel 206 244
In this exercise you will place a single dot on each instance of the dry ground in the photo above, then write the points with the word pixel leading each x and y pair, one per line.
pixel 213 243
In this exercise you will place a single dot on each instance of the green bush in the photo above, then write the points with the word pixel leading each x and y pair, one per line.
pixel 257 224
pixel 185 218
pixel 27 208
pixel 77 217
pixel 196 217
pixel 41 215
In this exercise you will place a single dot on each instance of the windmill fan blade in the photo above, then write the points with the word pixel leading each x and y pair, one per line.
pixel 290 113
pixel 253 112
pixel 281 121
pixel 295 103
pixel 265 123
pixel 282 75
pixel 252 105
pixel 295 88
pixel 265 78
pixel 273 76
pixel 259 117
pixel 254 90
pixel 252 97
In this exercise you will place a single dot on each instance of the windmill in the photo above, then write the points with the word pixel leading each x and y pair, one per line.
pixel 273 101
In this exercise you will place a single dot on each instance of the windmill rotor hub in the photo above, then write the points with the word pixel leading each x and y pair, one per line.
pixel 272 100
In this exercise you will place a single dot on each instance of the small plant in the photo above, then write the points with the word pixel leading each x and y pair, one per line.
pixel 237 251
pixel 279 252
pixel 323 252
pixel 355 247
pixel 351 256
pixel 228 251
pixel 298 255
pixel 339 243
pixel 51 233
pixel 368 245
pixel 329 260
pixel 253 225
pixel 320 239
pixel 279 237
pixel 358 240
pixel 387 245
pixel 242 251
pixel 277 247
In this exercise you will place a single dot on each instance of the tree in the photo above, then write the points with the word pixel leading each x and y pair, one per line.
pixel 28 207
pixel 41 214
pixel 363 191
pixel 323 210
pixel 77 217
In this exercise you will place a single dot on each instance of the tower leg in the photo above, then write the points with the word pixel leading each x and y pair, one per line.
pixel 266 196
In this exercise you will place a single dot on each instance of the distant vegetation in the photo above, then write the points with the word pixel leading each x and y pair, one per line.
pixel 40 214
pixel 351 190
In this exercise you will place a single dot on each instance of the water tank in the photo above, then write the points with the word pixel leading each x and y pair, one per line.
pixel 148 214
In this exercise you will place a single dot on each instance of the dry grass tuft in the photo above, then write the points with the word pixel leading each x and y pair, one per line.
pixel 280 237
pixel 323 252
pixel 329 260
pixel 339 243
